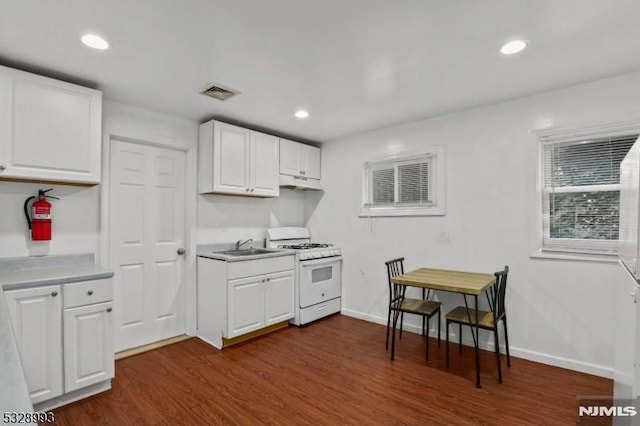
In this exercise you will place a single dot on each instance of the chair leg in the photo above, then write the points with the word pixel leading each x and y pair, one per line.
pixel 401 323
pixel 424 329
pixel 497 343
pixel 386 345
pixel 460 337
pixel 393 335
pixel 426 339
pixel 506 340
pixel 447 346
pixel 439 327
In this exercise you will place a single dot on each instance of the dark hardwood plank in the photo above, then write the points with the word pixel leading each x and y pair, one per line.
pixel 335 371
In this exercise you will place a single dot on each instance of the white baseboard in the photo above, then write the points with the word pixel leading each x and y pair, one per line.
pixel 556 361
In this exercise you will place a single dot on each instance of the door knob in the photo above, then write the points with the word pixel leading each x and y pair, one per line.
pixel 181 251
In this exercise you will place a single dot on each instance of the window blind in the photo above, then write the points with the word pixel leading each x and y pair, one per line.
pixel 581 192
pixel 399 183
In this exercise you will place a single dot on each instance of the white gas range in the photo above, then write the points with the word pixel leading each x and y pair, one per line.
pixel 318 273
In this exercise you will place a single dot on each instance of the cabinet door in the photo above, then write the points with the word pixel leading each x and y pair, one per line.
pixel 264 165
pixel 279 297
pixel 36 319
pixel 291 158
pixel 245 305
pixel 88 345
pixel 231 159
pixel 311 162
pixel 51 130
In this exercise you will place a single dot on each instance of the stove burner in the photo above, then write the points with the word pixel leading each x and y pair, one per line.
pixel 304 246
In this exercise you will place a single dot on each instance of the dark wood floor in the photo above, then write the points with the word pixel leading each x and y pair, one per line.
pixel 335 371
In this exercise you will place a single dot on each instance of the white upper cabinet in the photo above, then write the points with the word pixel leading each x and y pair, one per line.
pixel 49 130
pixel 297 159
pixel 235 160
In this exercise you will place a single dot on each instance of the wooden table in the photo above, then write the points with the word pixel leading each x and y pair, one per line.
pixel 465 283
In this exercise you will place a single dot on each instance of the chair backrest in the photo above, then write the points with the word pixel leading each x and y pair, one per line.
pixel 395 267
pixel 499 292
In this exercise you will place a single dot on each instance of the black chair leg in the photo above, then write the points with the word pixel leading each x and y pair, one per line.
pixel 426 339
pixel 424 329
pixel 460 338
pixel 447 346
pixel 506 340
pixel 386 345
pixel 393 336
pixel 495 338
pixel 401 322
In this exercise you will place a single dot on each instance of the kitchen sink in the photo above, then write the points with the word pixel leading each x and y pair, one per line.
pixel 247 252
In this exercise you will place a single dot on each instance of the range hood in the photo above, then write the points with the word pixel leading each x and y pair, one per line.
pixel 300 182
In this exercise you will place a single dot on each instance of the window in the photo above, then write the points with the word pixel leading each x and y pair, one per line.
pixel 580 188
pixel 404 186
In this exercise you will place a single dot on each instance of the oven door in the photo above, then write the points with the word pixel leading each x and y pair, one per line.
pixel 320 280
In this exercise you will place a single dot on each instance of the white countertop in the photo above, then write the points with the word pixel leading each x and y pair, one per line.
pixel 14 396
pixel 33 277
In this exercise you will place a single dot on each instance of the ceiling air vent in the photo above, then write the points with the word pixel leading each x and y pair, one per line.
pixel 218 92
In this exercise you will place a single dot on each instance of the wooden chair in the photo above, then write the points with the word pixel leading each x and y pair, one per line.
pixel 399 304
pixel 487 320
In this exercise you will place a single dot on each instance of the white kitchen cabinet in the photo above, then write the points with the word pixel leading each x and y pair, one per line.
pixel 36 317
pixel 279 297
pixel 259 301
pixel 297 159
pixel 88 345
pixel 50 130
pixel 240 297
pixel 64 335
pixel 246 307
pixel 235 160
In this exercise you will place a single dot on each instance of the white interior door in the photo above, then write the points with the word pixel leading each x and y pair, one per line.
pixel 147 230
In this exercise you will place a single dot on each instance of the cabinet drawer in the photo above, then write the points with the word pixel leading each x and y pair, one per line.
pixel 250 268
pixel 88 292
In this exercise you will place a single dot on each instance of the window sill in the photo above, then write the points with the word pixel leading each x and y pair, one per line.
pixel 395 212
pixel 580 257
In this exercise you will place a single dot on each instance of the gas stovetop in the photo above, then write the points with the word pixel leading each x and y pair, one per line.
pixel 304 246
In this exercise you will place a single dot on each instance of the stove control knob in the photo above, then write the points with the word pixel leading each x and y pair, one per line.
pixel 316 254
pixel 303 256
pixel 326 253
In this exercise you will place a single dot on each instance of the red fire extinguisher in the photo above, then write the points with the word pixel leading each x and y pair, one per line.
pixel 40 221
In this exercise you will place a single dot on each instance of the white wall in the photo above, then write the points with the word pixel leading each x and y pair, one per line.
pixel 225 219
pixel 75 220
pixel 560 312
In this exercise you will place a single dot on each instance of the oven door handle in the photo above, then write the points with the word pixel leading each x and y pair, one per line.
pixel 324 260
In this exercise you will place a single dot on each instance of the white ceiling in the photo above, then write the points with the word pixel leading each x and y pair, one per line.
pixel 355 65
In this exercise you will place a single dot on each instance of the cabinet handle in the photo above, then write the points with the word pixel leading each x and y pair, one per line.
pixel 90 292
pixel 252 189
pixel 268 279
pixel 109 309
pixel 246 190
pixel 2 168
pixel 54 293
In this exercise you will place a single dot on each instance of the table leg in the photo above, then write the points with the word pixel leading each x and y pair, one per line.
pixel 477 344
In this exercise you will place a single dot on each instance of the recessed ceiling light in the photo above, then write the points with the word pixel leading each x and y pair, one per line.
pixel 95 41
pixel 301 114
pixel 512 47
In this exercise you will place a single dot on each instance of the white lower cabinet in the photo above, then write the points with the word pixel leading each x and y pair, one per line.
pixel 236 298
pixel 88 345
pixel 246 305
pixel 37 325
pixel 256 302
pixel 65 332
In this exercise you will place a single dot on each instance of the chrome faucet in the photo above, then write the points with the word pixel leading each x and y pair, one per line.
pixel 240 243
